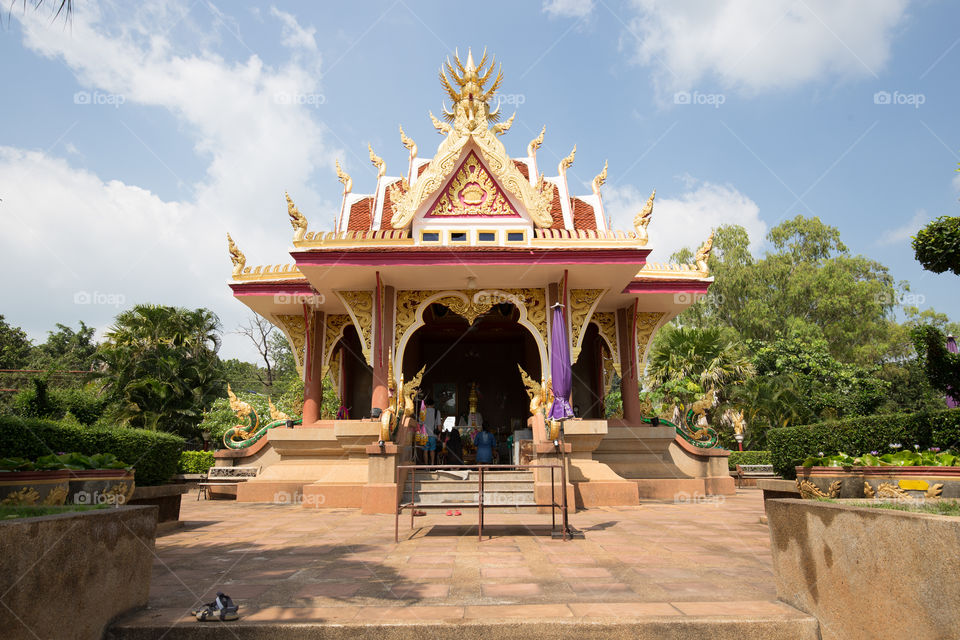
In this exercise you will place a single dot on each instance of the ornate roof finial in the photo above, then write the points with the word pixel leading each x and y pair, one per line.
pixel 408 143
pixel 236 257
pixel 466 87
pixel 642 220
pixel 345 178
pixel 703 253
pixel 442 127
pixel 297 220
pixel 536 142
pixel 503 127
pixel 600 179
pixel 377 162
pixel 568 161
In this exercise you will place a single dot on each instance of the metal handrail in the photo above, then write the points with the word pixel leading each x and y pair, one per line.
pixel 412 505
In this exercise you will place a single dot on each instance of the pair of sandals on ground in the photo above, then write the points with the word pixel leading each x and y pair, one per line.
pixel 222 609
pixel 451 512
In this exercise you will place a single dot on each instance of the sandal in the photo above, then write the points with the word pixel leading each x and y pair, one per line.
pixel 418 512
pixel 457 513
pixel 449 513
pixel 222 608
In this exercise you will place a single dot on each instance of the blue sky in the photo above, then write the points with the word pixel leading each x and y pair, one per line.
pixel 137 136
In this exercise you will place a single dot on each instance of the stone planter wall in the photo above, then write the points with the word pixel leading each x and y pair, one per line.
pixel 34 488
pixel 867 573
pixel 66 576
pixel 881 482
pixel 166 497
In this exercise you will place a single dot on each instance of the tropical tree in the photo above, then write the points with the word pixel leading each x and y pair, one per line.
pixel 710 357
pixel 67 349
pixel 937 245
pixel 161 366
pixel 15 346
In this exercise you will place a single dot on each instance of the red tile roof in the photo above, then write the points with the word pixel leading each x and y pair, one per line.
pixel 583 217
pixel 422 168
pixel 522 168
pixel 361 215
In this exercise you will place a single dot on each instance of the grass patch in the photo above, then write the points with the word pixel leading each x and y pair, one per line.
pixel 9 513
pixel 936 507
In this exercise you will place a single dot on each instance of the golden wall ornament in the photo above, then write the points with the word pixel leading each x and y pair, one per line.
pixel 377 162
pixel 703 253
pixel 334 323
pixel 294 327
pixel 810 491
pixel 868 490
pixel 536 142
pixel 236 257
pixel 646 326
pixel 599 180
pixel 502 127
pixel 606 322
pixel 472 192
pixel 934 490
pixel 344 178
pixel 642 220
pixel 890 490
pixel 467 86
pixel 408 143
pixel 582 304
pixel 608 373
pixel 297 220
pixel 360 307
pixel 442 127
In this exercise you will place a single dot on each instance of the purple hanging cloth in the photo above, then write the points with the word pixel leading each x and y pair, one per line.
pixel 560 369
pixel 952 348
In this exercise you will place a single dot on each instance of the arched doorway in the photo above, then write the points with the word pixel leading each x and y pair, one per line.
pixel 457 354
pixel 357 381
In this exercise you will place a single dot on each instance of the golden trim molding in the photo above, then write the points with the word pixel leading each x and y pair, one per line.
pixel 359 305
pixel 582 304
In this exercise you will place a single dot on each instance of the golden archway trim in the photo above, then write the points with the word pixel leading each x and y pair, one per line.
pixel 295 329
pixel 647 323
pixel 359 305
pixel 333 331
pixel 606 322
pixel 583 302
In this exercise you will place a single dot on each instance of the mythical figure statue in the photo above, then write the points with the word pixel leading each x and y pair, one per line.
pixel 535 390
pixel 276 414
pixel 377 162
pixel 703 253
pixel 642 220
pixel 409 393
pixel 344 178
pixel 236 256
pixel 567 162
pixel 599 179
pixel 389 414
pixel 536 142
pixel 242 436
pixel 297 220
pixel 408 143
pixel 442 127
pixel 503 127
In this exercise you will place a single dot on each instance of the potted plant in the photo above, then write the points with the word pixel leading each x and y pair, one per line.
pixel 22 484
pixel 97 479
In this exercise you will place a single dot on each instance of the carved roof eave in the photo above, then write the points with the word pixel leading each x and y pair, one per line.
pixel 670 271
pixel 269 272
pixel 443 164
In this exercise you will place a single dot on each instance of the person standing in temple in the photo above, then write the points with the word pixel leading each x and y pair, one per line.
pixel 431 423
pixel 486 443
pixel 454 446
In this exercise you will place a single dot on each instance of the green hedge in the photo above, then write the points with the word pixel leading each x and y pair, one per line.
pixel 195 461
pixel 748 457
pixel 789 446
pixel 154 454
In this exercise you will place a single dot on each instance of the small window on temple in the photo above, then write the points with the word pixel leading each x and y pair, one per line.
pixel 430 236
pixel 458 236
pixel 486 236
pixel 515 236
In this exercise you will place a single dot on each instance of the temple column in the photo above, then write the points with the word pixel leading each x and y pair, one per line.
pixel 383 347
pixel 629 379
pixel 312 368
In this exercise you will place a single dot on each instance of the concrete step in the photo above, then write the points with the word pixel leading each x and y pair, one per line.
pixel 473 476
pixel 466 623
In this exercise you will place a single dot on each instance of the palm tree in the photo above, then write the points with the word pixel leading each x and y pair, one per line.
pixel 162 366
pixel 709 356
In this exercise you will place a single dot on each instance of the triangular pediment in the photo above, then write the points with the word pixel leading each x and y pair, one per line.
pixel 472 192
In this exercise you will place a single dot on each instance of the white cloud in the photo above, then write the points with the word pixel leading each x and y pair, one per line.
pixel 760 45
pixel 568 8
pixel 905 232
pixel 294 35
pixel 685 220
pixel 80 233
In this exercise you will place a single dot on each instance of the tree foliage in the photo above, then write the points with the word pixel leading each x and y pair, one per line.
pixel 15 347
pixel 942 367
pixel 937 245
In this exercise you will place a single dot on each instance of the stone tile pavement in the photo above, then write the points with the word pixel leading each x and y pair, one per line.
pixel 284 563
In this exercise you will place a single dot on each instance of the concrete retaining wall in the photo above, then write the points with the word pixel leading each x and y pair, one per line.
pixel 66 576
pixel 867 573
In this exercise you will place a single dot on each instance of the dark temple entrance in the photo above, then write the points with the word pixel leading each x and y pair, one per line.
pixel 458 354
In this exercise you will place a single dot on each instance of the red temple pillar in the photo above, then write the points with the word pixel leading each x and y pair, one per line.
pixel 383 347
pixel 312 365
pixel 629 379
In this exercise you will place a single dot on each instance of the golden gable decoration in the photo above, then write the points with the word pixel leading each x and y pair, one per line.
pixel 472 192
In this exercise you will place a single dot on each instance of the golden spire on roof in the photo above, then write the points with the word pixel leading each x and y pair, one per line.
pixel 642 220
pixel 377 162
pixel 600 179
pixel 345 178
pixel 466 87
pixel 442 127
pixel 503 127
pixel 408 143
pixel 703 253
pixel 536 142
pixel 568 161
pixel 297 220
pixel 236 256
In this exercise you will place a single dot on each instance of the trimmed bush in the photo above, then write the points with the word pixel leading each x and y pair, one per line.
pixel 790 446
pixel 154 454
pixel 748 457
pixel 195 461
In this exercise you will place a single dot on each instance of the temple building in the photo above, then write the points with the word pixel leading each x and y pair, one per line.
pixel 439 284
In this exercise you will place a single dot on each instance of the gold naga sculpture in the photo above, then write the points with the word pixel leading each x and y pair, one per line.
pixel 389 414
pixel 297 220
pixel 739 424
pixel 276 414
pixel 600 179
pixel 242 410
pixel 236 256
pixel 699 409
pixel 377 162
pixel 344 178
pixel 567 162
pixel 642 220
pixel 502 127
pixel 536 142
pixel 536 390
pixel 703 253
pixel 408 394
pixel 442 127
pixel 408 143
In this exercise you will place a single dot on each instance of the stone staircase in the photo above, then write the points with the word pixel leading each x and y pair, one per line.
pixel 503 491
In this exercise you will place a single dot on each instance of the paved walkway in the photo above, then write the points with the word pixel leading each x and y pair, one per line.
pixel 287 563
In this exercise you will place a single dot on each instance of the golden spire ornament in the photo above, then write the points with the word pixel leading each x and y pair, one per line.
pixel 536 142
pixel 344 178
pixel 703 254
pixel 297 220
pixel 642 220
pixel 442 127
pixel 466 85
pixel 600 179
pixel 408 143
pixel 236 257
pixel 567 162
pixel 377 162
